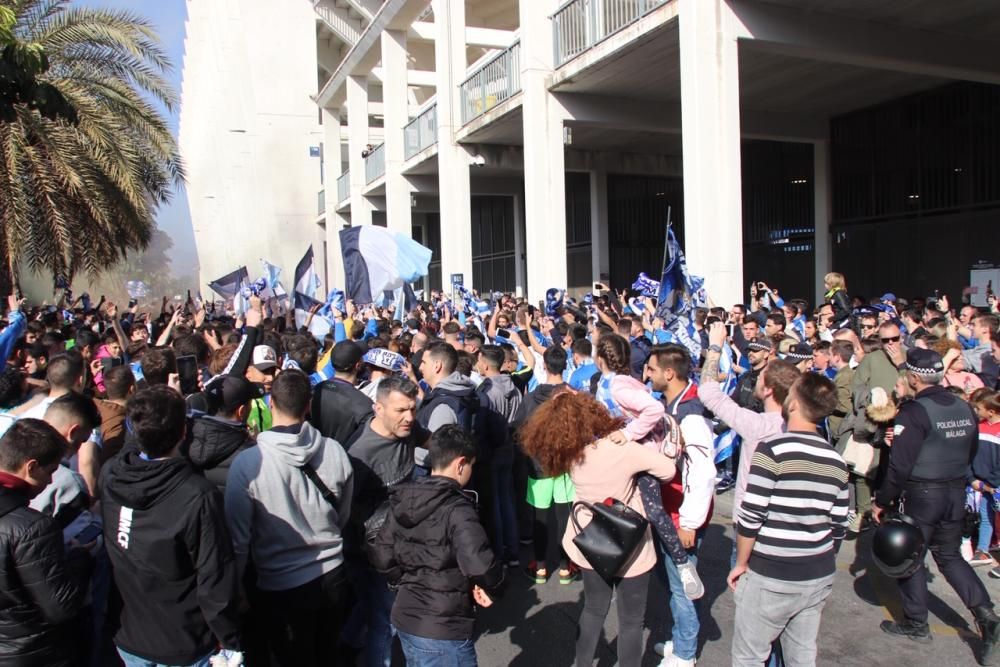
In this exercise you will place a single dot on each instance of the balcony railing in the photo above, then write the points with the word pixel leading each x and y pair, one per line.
pixel 321 202
pixel 421 132
pixel 375 163
pixel 494 82
pixel 580 24
pixel 343 186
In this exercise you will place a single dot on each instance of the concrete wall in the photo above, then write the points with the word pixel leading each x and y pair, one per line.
pixel 246 126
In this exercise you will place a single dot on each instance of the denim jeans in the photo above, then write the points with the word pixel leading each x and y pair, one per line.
pixel 504 511
pixel 135 661
pixel 684 634
pixel 985 523
pixel 378 648
pixel 423 652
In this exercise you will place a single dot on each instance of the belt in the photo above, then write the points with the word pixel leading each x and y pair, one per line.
pixel 915 485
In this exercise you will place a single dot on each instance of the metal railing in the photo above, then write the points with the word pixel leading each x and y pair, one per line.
pixel 343 186
pixel 494 82
pixel 375 163
pixel 421 132
pixel 321 202
pixel 580 24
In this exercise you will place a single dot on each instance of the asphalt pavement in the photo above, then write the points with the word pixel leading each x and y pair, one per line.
pixel 536 626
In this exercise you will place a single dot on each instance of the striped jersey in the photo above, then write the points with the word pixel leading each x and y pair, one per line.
pixel 795 506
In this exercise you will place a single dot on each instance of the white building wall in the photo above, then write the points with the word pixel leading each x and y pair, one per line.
pixel 246 126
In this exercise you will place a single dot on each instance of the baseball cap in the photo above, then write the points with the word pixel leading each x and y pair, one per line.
pixel 799 352
pixel 924 362
pixel 230 392
pixel 760 344
pixel 888 296
pixel 346 355
pixel 264 357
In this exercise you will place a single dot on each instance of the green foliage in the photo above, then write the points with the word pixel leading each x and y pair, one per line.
pixel 85 158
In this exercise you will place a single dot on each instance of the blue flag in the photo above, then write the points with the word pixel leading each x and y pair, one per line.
pixel 679 291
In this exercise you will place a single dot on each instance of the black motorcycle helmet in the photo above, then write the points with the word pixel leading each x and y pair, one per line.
pixel 898 546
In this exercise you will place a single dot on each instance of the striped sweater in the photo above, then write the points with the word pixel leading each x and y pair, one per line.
pixel 795 506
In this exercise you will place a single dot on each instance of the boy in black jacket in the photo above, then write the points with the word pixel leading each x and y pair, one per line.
pixel 166 535
pixel 433 547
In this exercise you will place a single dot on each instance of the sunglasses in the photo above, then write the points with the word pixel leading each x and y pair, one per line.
pixel 869 326
pixel 893 339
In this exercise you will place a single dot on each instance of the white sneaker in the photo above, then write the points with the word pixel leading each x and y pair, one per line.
pixel 665 649
pixel 693 588
pixel 674 661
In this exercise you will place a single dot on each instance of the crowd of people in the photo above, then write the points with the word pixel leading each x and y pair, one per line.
pixel 195 486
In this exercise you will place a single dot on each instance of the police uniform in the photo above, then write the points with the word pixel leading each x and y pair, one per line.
pixel 935 438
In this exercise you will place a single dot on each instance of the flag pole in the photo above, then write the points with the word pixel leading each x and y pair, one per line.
pixel 666 242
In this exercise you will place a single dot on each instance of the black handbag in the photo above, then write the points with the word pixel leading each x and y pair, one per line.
pixel 611 538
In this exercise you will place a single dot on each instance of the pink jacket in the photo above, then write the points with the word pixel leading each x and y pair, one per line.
pixel 753 427
pixel 642 410
pixel 608 471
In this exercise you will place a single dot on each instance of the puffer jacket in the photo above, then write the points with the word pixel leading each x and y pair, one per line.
pixel 434 549
pixel 212 445
pixel 41 593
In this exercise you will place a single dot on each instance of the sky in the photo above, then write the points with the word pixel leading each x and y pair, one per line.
pixel 168 17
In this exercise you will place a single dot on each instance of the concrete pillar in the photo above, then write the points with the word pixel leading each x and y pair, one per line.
pixel 821 197
pixel 710 115
pixel 332 161
pixel 600 253
pixel 544 155
pixel 520 270
pixel 454 189
pixel 396 116
pixel 357 139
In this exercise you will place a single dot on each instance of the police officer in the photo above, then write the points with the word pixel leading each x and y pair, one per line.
pixel 935 438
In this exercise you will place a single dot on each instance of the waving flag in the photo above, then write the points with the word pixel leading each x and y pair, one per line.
pixel 377 259
pixel 679 291
pixel 305 276
pixel 272 280
pixel 137 289
pixel 228 286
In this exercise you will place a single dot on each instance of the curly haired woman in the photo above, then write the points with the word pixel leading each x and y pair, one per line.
pixel 626 397
pixel 569 434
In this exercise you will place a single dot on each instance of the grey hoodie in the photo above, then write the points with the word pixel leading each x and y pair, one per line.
pixel 504 396
pixel 443 414
pixel 277 515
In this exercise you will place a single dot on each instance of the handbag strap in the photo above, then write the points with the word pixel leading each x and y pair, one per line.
pixel 328 495
pixel 572 514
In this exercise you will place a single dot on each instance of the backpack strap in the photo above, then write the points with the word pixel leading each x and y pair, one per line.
pixel 328 495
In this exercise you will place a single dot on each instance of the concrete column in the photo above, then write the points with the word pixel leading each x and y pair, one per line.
pixel 821 197
pixel 710 115
pixel 544 155
pixel 332 160
pixel 454 189
pixel 396 116
pixel 357 139
pixel 519 251
pixel 600 253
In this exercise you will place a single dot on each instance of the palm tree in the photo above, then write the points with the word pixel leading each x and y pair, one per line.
pixel 85 157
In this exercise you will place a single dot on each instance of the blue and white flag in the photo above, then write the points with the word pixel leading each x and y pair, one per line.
pixel 472 304
pixel 229 285
pixel 320 325
pixel 728 440
pixel 679 291
pixel 305 276
pixel 272 274
pixel 646 286
pixel 553 300
pixel 137 289
pixel 377 259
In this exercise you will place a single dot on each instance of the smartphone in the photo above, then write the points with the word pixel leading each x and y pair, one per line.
pixel 187 369
pixel 107 363
pixel 503 333
pixel 131 303
pixel 731 328
pixel 90 533
pixel 137 373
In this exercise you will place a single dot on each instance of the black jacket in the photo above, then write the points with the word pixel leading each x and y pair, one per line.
pixel 338 409
pixel 212 444
pixel 841 308
pixel 40 592
pixel 172 555
pixel 433 548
